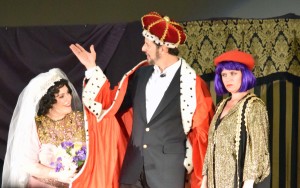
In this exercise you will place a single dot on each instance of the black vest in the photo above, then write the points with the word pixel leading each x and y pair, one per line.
pixel 158 146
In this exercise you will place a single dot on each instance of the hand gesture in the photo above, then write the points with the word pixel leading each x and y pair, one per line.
pixel 248 184
pixel 204 182
pixel 47 154
pixel 88 59
pixel 64 176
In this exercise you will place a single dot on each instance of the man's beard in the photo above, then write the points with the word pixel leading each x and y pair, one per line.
pixel 157 57
pixel 151 62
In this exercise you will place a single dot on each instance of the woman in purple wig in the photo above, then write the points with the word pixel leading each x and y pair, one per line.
pixel 238 142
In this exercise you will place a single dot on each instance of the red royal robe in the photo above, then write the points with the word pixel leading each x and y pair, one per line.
pixel 108 131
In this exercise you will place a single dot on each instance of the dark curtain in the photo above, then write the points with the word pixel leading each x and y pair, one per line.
pixel 28 51
pixel 128 53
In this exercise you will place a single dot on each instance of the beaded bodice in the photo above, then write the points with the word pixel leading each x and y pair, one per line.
pixel 70 128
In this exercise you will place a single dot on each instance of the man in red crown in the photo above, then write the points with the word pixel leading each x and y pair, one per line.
pixel 161 103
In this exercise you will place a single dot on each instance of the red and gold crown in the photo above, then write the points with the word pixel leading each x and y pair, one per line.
pixel 236 56
pixel 162 30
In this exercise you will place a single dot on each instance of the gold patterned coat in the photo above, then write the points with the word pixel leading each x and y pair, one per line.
pixel 221 160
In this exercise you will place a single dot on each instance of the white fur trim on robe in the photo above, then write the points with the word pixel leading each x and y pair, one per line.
pixel 188 103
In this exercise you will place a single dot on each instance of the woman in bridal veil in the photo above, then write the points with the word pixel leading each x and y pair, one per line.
pixel 48 111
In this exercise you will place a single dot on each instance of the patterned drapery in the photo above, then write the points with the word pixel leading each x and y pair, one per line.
pixel 275 45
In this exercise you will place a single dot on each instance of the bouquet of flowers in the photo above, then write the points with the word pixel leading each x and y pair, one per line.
pixel 67 156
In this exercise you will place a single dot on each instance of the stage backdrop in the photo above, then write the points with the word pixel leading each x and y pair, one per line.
pixel 274 42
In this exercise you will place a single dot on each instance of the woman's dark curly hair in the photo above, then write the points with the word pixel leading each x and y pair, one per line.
pixel 48 99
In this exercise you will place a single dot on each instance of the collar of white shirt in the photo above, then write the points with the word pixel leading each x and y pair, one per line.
pixel 169 71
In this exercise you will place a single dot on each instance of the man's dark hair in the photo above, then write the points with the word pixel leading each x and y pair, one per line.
pixel 172 51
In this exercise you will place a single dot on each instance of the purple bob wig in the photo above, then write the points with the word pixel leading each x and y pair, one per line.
pixel 248 78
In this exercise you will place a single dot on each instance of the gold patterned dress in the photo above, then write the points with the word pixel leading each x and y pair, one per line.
pixel 70 128
pixel 225 151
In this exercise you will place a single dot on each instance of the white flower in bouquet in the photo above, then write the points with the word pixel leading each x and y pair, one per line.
pixel 67 156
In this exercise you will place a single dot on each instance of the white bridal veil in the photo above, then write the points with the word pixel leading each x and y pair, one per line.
pixel 23 144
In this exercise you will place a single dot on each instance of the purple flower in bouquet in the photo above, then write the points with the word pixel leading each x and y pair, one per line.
pixel 67 145
pixel 58 164
pixel 70 156
pixel 80 156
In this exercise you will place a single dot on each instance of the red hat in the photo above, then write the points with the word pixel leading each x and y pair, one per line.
pixel 162 30
pixel 236 56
